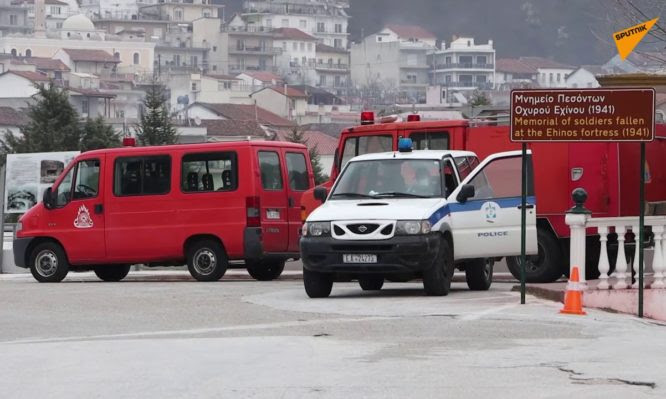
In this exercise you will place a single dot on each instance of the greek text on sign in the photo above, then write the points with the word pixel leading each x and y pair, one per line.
pixel 582 115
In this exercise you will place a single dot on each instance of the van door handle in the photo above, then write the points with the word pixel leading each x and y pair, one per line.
pixel 99 208
pixel 527 206
pixel 290 201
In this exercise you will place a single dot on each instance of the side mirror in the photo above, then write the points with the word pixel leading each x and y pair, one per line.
pixel 320 194
pixel 48 199
pixel 466 192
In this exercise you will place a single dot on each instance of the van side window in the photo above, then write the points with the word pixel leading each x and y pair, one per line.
pixel 142 175
pixel 297 171
pixel 355 146
pixel 64 191
pixel 212 171
pixel 271 171
pixel 430 140
pixel 87 179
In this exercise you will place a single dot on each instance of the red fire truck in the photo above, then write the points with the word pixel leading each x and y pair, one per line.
pixel 609 172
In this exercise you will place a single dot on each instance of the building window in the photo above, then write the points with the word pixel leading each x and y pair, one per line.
pixel 58 25
pixel 338 28
pixel 116 55
pixel 194 60
pixel 28 53
pixel 214 48
pixel 284 46
pixel 223 85
pixel 194 86
pixel 13 19
pixel 55 10
pixel 551 77
pixel 85 106
pixel 136 59
pixel 379 38
pixel 302 46
pixel 285 23
pixel 214 67
pixel 178 14
pixel 558 78
pixel 337 81
pixel 481 79
pixel 322 80
pixel 321 27
pixel 481 60
pixel 269 23
pixel 309 46
pixel 304 60
pixel 294 46
pixel 207 13
pixel 337 43
pixel 303 24
pixel 14 53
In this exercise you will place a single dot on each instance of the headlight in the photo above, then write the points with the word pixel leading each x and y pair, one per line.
pixel 316 229
pixel 411 227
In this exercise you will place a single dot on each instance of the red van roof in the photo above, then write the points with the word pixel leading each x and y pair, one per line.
pixel 198 146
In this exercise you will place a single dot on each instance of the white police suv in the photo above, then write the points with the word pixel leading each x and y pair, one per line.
pixel 417 214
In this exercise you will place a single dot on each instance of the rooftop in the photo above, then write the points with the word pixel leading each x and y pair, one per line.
pixel 31 76
pixel 221 77
pixel 411 31
pixel 512 65
pixel 323 48
pixel 540 62
pixel 41 63
pixel 90 55
pixel 245 112
pixel 293 34
pixel 11 117
pixel 266 77
pixel 228 127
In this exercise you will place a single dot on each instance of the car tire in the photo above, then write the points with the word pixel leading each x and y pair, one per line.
pixel 111 273
pixel 265 270
pixel 437 279
pixel 48 263
pixel 206 260
pixel 479 273
pixel 546 267
pixel 371 283
pixel 317 285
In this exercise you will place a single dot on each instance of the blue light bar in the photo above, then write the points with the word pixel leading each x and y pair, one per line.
pixel 405 145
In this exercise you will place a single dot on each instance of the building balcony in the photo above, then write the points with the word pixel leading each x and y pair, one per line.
pixel 248 30
pixel 258 7
pixel 255 50
pixel 237 68
pixel 468 85
pixel 471 65
pixel 414 66
pixel 342 68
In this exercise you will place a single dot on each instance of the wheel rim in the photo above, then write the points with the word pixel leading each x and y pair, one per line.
pixel 204 261
pixel 535 262
pixel 46 263
pixel 488 268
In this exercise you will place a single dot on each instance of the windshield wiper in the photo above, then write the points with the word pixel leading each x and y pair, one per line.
pixel 401 194
pixel 352 195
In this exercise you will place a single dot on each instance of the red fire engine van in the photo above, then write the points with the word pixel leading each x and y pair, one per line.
pixel 206 204
pixel 608 171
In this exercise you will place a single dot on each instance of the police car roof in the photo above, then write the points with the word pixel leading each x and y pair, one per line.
pixel 416 154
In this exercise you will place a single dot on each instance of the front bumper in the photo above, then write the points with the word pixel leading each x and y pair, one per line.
pixel 20 247
pixel 400 254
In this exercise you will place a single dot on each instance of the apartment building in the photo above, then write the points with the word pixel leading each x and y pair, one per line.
pixel 333 69
pixel 551 74
pixel 464 65
pixel 326 20
pixel 56 12
pixel 297 59
pixel 395 58
pixel 249 47
pixel 13 18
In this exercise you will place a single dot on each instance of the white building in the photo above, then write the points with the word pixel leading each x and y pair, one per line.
pixel 550 73
pixel 116 9
pixel 297 59
pixel 56 12
pixel 585 77
pixel 333 69
pixel 396 59
pixel 288 102
pixel 512 73
pixel 78 33
pixel 464 65
pixel 325 19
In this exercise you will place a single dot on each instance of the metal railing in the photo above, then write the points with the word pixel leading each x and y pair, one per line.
pixel 464 65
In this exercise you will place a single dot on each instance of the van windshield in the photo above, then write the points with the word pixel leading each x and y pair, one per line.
pixel 386 178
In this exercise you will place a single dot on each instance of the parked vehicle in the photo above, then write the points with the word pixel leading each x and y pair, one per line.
pixel 607 171
pixel 420 213
pixel 203 204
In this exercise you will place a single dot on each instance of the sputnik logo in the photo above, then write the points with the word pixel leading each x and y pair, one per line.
pixel 83 220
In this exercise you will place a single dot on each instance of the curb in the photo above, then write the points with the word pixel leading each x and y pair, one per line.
pixel 550 294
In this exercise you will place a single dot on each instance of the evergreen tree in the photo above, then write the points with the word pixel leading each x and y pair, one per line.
pixel 96 134
pixel 156 127
pixel 297 136
pixel 53 124
pixel 479 99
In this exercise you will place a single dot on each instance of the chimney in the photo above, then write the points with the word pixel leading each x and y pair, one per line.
pixel 40 19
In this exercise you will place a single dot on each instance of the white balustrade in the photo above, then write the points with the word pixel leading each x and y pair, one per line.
pixel 621 277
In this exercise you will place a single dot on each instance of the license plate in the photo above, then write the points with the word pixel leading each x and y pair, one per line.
pixel 359 258
pixel 272 214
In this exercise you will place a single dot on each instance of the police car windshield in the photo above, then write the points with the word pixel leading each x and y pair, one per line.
pixel 390 178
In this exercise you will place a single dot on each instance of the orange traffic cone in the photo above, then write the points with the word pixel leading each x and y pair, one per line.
pixel 573 298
